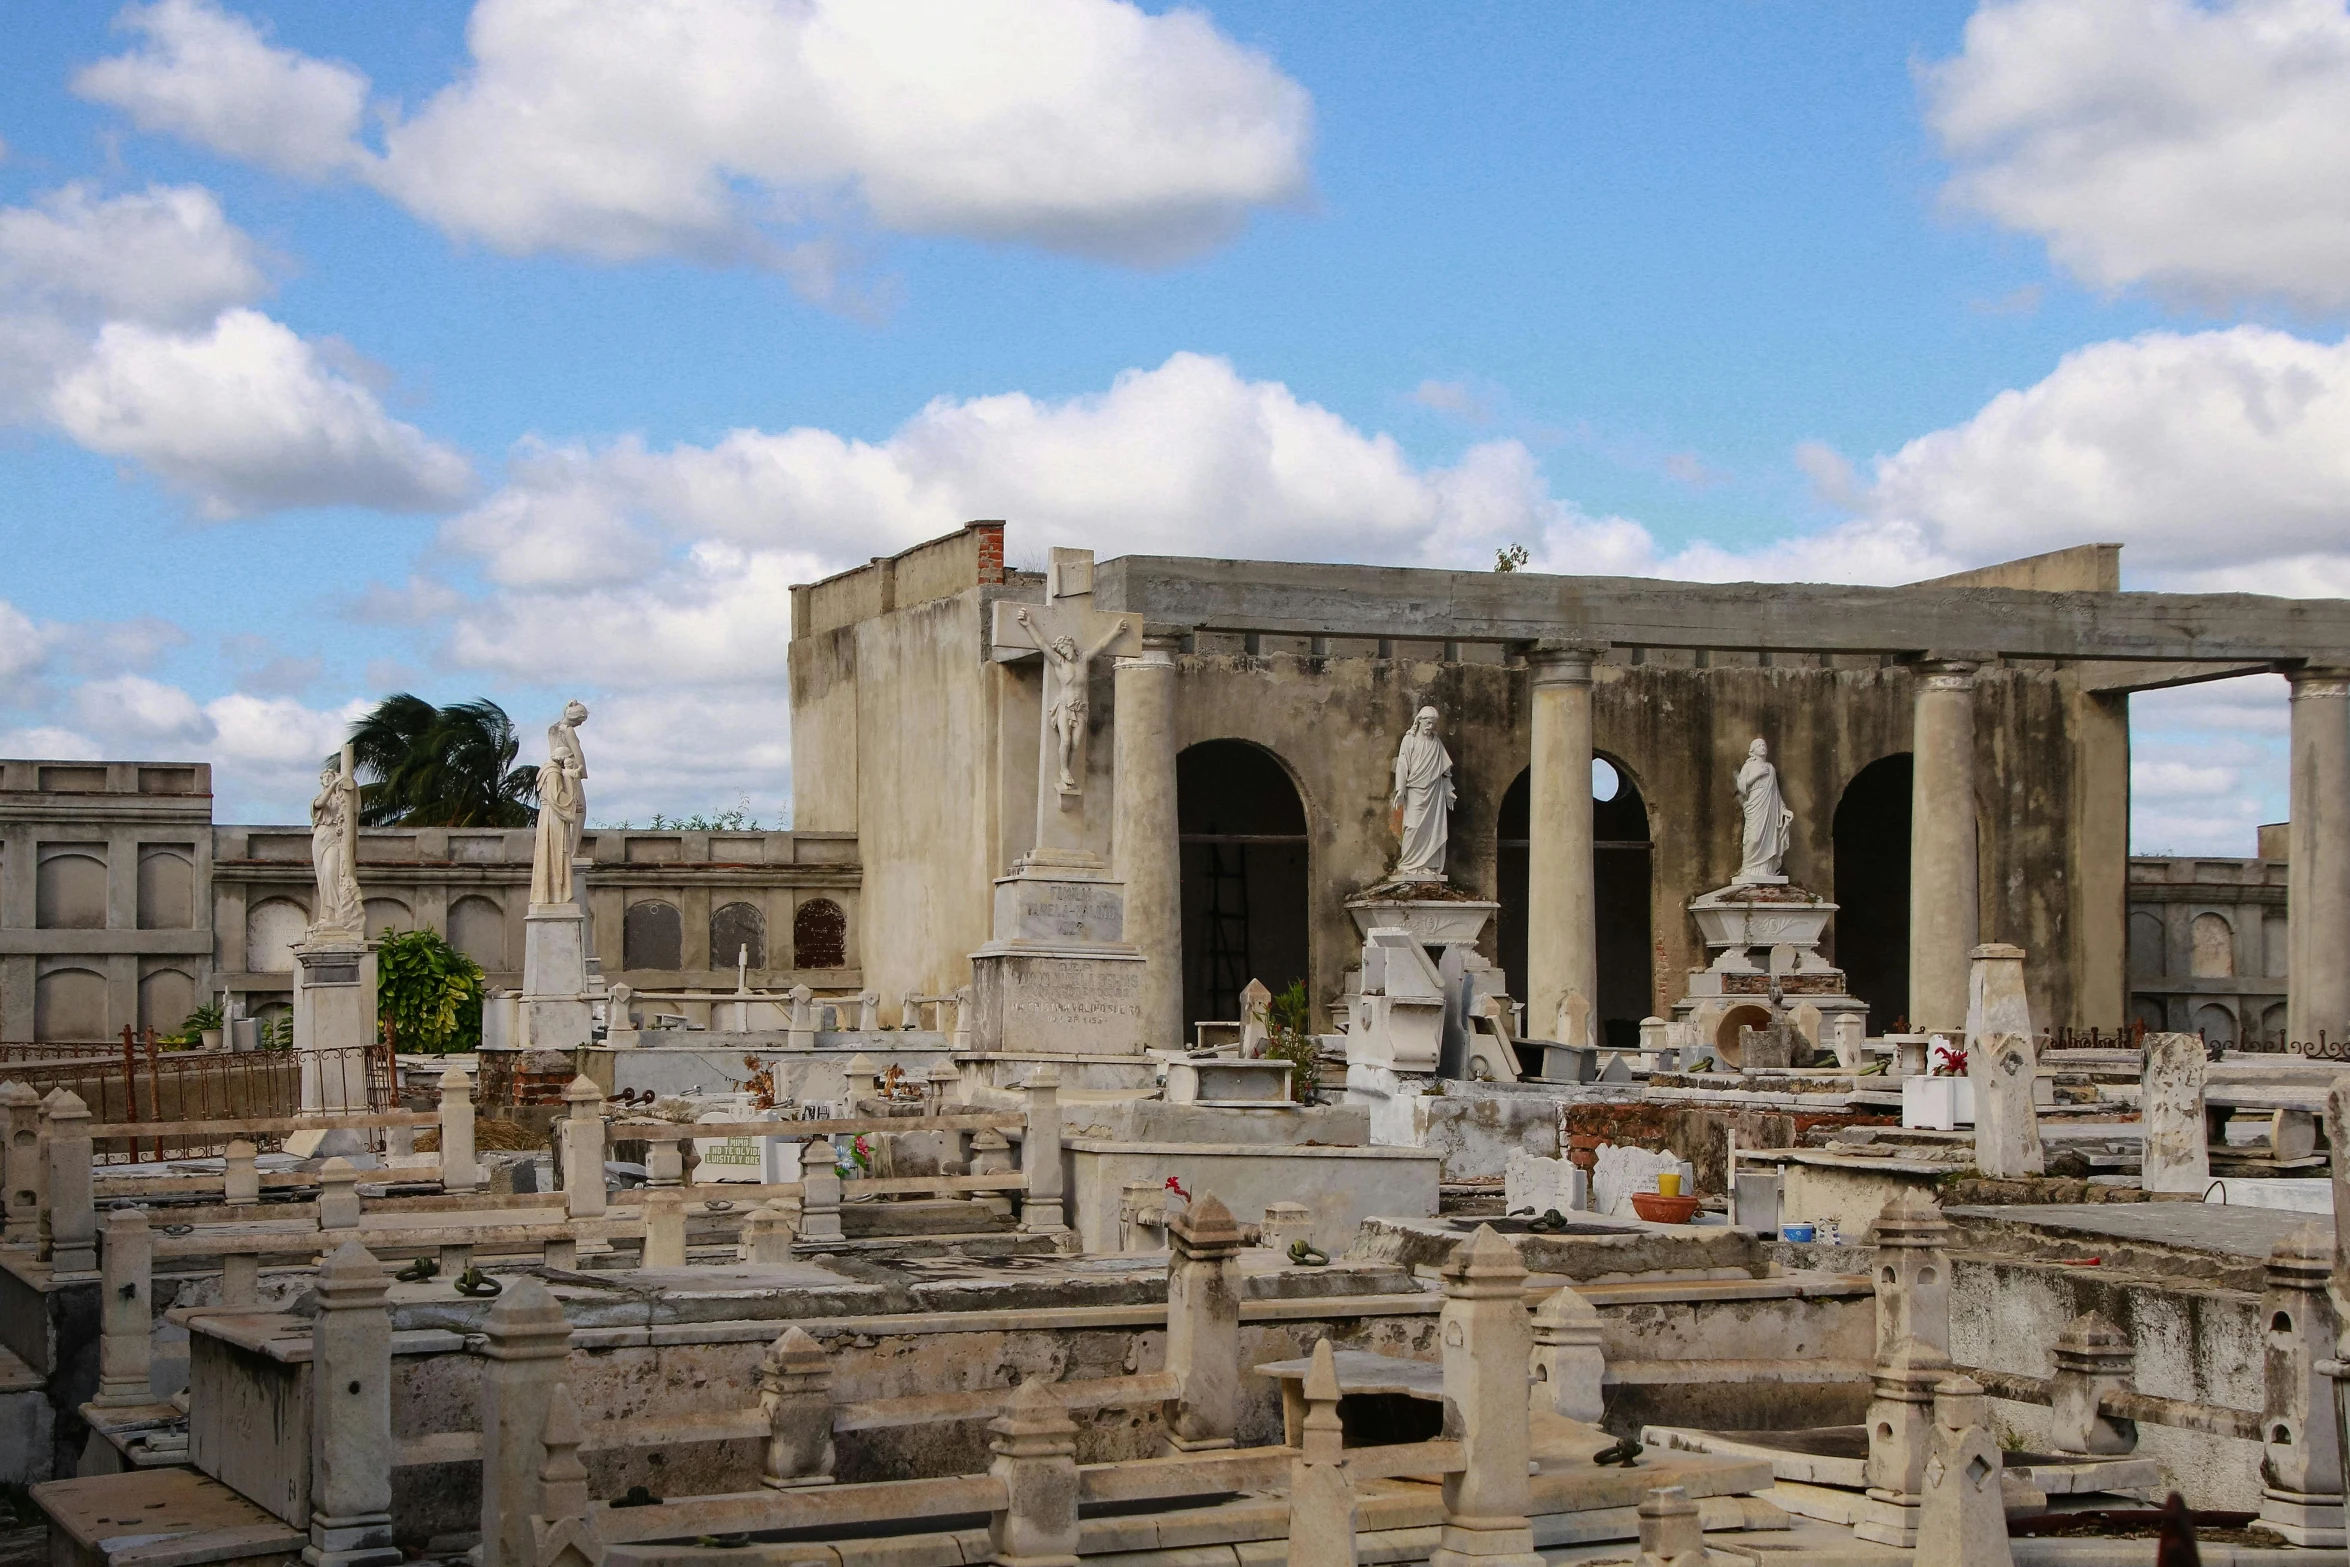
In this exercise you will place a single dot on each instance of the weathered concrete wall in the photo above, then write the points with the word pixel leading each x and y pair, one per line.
pixel 824 730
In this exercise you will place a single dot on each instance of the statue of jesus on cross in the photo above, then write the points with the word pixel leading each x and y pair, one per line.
pixel 1070 634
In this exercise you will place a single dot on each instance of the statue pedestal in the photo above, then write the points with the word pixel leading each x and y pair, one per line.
pixel 1420 984
pixel 553 1012
pixel 1058 979
pixel 334 1030
pixel 1767 969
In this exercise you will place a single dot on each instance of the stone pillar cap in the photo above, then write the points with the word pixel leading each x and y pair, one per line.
pixel 1484 1264
pixel 1206 1226
pixel 1995 949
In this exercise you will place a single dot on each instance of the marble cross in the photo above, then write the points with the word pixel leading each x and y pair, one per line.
pixel 1069 634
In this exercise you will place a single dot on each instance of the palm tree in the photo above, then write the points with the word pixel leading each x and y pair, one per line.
pixel 427 766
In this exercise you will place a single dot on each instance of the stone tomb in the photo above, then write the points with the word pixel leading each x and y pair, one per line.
pixel 1765 940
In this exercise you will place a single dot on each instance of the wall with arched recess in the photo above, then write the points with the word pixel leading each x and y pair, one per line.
pixel 819 935
pixel 273 928
pixel 70 1004
pixel 167 887
pixel 166 997
pixel 1243 860
pixel 2211 949
pixel 388 917
pixel 733 928
pixel 652 936
pixel 70 887
pixel 477 928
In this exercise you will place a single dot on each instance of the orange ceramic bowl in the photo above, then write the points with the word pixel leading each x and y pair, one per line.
pixel 1663 1210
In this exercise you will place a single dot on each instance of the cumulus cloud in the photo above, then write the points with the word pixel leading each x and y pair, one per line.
pixel 725 129
pixel 165 257
pixel 210 77
pixel 245 417
pixel 2197 149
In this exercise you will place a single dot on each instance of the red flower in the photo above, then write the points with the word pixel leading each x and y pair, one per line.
pixel 1175 1185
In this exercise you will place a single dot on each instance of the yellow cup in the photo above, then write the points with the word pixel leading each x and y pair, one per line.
pixel 1668 1184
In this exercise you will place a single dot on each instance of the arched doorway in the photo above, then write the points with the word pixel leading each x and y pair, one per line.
pixel 1620 888
pixel 1871 942
pixel 1243 831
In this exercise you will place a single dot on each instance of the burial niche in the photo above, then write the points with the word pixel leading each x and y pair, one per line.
pixel 1621 868
pixel 167 887
pixel 477 928
pixel 819 936
pixel 733 928
pixel 1870 937
pixel 1242 826
pixel 652 937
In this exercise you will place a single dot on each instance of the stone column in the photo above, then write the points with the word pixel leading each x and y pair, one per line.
pixel 21 1168
pixel 338 1195
pixel 351 1414
pixel 1143 834
pixel 1901 1440
pixel 1203 1326
pixel 1035 1446
pixel 73 1216
pixel 2176 1154
pixel 1043 1210
pixel 664 1228
pixel 1321 1487
pixel 1943 896
pixel 2317 881
pixel 795 1393
pixel 2093 1359
pixel 528 1344
pixel 240 1177
pixel 1570 1369
pixel 583 1148
pixel 1562 957
pixel 126 1343
pixel 1962 1520
pixel 2301 1454
pixel 1487 1343
pixel 563 1531
pixel 1913 1274
pixel 819 1191
pixel 459 1171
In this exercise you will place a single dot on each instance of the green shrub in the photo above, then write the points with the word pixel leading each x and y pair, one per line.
pixel 429 992
pixel 1289 1025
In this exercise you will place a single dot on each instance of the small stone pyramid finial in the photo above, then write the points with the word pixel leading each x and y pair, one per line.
pixel 1322 1376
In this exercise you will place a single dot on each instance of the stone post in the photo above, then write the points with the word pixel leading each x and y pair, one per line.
pixel 2177 1152
pixel 22 1165
pixel 527 1345
pixel 1943 894
pixel 126 1343
pixel 2337 1120
pixel 2301 1450
pixel 73 1217
pixel 460 1172
pixel 1284 1224
pixel 664 1228
pixel 1203 1326
pixel 241 1178
pixel 2317 877
pixel 819 1191
pixel 2007 1124
pixel 767 1237
pixel 800 1019
pixel 1670 1533
pixel 583 1148
pixel 338 1195
pixel 240 1280
pixel 1321 1486
pixel 795 1393
pixel 1570 1369
pixel 1562 956
pixel 1962 1520
pixel 1142 835
pixel 991 1154
pixel 351 1414
pixel 1901 1440
pixel 2093 1358
pixel 1487 1346
pixel 1042 1207
pixel 563 1531
pixel 1913 1274
pixel 1035 1446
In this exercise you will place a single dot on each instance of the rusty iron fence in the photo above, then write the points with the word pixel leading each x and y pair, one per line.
pixel 142 1077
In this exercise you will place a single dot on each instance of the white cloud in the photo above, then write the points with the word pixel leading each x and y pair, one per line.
pixel 24 647
pixel 2199 149
pixel 727 129
pixel 49 743
pixel 142 712
pixel 703 750
pixel 246 418
pixel 166 257
pixel 208 76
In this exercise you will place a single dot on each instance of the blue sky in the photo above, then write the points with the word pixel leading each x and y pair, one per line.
pixel 524 349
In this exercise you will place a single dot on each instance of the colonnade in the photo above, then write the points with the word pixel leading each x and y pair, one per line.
pixel 1945 895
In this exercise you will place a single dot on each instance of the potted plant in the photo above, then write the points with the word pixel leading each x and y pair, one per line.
pixel 1944 1099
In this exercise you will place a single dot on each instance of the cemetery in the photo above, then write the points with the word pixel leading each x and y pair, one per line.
pixel 1249 1100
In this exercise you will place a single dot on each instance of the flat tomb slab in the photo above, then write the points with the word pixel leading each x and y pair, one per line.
pixel 174 1516
pixel 2248 1233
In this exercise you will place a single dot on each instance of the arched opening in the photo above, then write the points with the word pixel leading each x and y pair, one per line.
pixel 819 935
pixel 1620 886
pixel 652 937
pixel 2146 944
pixel 273 928
pixel 737 929
pixel 1243 844
pixel 1871 937
pixel 166 997
pixel 477 928
pixel 2212 947
pixel 69 892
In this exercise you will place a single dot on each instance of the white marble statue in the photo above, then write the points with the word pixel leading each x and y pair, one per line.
pixel 1768 826
pixel 562 808
pixel 334 853
pixel 1423 800
pixel 1070 667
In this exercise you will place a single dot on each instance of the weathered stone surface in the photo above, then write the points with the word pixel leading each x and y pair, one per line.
pixel 2177 1156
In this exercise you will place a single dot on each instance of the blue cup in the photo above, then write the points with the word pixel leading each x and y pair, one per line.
pixel 1795 1232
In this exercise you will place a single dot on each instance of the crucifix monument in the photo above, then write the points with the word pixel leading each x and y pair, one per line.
pixel 1057 977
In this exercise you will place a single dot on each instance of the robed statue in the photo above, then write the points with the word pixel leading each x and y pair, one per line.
pixel 334 852
pixel 562 808
pixel 1767 826
pixel 1423 801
